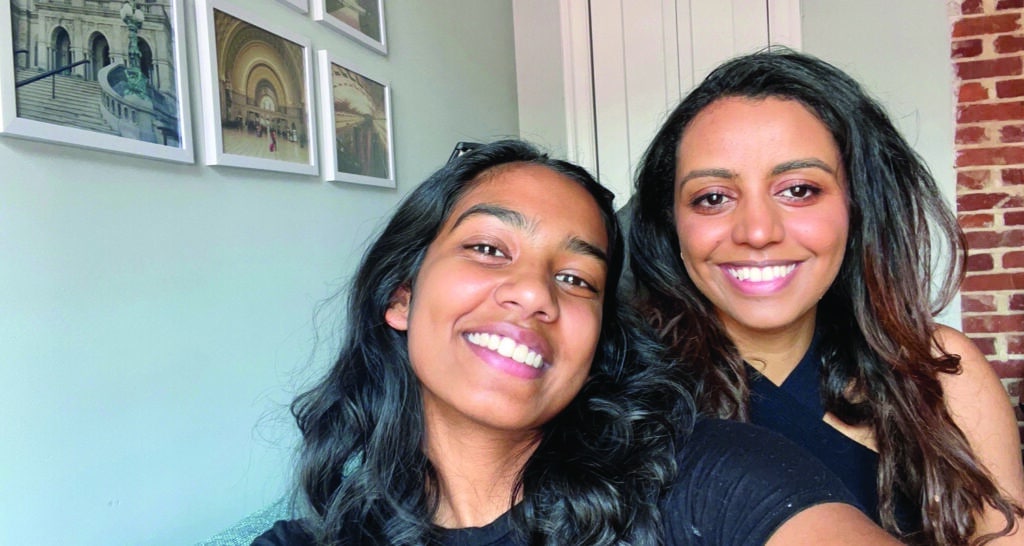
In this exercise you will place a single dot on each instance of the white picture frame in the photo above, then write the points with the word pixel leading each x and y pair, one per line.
pixel 98 109
pixel 357 136
pixel 361 20
pixel 257 92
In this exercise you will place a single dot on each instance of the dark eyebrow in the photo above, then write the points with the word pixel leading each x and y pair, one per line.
pixel 796 164
pixel 507 216
pixel 518 221
pixel 707 173
pixel 579 246
pixel 808 163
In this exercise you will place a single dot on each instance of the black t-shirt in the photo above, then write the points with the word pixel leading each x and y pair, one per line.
pixel 737 484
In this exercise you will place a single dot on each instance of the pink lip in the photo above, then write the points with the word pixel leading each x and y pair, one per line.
pixel 760 288
pixel 531 339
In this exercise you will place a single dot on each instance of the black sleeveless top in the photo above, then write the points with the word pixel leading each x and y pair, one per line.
pixel 795 410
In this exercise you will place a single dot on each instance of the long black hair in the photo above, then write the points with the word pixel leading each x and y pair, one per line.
pixel 600 464
pixel 876 319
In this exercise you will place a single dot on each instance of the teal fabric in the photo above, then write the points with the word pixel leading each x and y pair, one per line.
pixel 248 528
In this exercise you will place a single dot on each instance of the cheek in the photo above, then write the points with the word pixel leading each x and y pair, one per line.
pixel 698 235
pixel 826 233
pixel 581 332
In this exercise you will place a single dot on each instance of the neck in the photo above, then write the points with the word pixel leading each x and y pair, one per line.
pixel 477 473
pixel 774 353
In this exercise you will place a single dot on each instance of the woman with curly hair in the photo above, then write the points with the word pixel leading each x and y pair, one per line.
pixel 491 390
pixel 782 239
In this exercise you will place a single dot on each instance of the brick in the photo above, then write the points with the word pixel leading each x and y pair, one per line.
pixel 975 221
pixel 1017 302
pixel 1013 218
pixel 986 344
pixel 989 68
pixel 1009 4
pixel 986 24
pixel 971 7
pixel 980 262
pixel 1006 155
pixel 1012 386
pixel 1003 111
pixel 1009 238
pixel 1010 88
pixel 974 179
pixel 965 49
pixel 977 303
pixel 972 92
pixel 991 283
pixel 994 323
pixel 1011 133
pixel 1015 344
pixel 1011 369
pixel 1008 44
pixel 1012 176
pixel 971 135
pixel 980 201
pixel 1013 260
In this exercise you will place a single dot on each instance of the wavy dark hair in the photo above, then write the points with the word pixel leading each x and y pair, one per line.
pixel 601 463
pixel 876 319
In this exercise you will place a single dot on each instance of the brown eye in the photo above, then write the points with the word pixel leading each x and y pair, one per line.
pixel 576 281
pixel 710 200
pixel 799 192
pixel 487 250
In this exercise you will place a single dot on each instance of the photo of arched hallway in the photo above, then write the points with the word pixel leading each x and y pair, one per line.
pixel 261 83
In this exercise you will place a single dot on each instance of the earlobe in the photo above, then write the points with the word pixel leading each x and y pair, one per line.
pixel 397 313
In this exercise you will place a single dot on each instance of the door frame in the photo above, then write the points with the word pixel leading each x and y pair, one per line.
pixel 574 20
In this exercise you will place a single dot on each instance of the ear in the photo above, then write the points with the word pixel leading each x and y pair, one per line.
pixel 397 314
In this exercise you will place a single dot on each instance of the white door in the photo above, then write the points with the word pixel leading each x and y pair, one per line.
pixel 648 53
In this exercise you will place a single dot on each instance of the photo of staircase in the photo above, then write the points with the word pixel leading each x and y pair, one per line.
pixel 103 66
pixel 63 100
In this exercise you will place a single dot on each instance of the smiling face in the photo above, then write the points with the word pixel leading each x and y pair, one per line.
pixel 504 315
pixel 761 212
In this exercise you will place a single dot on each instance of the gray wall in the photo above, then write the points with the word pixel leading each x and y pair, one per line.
pixel 900 52
pixel 156 319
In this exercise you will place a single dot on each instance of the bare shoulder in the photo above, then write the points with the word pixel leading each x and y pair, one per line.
pixel 981 407
pixel 831 524
pixel 976 378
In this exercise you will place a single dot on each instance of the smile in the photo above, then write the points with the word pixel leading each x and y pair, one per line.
pixel 760 274
pixel 507 347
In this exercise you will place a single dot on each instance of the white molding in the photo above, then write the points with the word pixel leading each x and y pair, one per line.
pixel 784 23
pixel 578 83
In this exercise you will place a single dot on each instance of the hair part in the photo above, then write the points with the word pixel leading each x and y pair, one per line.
pixel 877 317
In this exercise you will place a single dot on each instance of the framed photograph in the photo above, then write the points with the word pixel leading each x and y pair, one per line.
pixel 110 79
pixel 356 130
pixel 301 5
pixel 257 92
pixel 362 20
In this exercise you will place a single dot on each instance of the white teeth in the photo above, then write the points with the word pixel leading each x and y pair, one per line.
pixel 507 347
pixel 761 274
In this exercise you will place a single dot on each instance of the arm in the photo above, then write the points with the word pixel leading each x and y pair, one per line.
pixel 831 524
pixel 981 408
pixel 740 484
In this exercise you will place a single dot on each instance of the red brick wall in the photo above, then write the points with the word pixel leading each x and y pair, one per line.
pixel 988 59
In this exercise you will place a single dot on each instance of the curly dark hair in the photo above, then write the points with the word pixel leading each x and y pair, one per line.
pixel 876 319
pixel 601 463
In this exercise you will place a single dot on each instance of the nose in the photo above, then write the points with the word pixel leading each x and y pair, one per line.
pixel 758 222
pixel 530 293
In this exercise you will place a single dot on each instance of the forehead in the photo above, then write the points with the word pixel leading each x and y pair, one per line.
pixel 745 117
pixel 545 204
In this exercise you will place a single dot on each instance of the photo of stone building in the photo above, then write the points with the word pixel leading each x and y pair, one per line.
pixel 103 66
